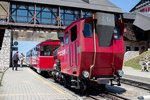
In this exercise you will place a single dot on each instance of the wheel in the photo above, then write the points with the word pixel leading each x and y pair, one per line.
pixel 55 79
pixel 102 87
pixel 64 81
pixel 49 73
pixel 83 87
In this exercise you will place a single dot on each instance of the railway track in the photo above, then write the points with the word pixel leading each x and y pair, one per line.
pixel 106 96
pixel 94 93
pixel 141 85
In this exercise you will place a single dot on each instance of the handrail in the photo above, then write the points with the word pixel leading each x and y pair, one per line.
pixel 91 68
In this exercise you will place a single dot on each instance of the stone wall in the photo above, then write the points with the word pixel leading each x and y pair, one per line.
pixel 6 50
pixel 28 35
pixel 130 54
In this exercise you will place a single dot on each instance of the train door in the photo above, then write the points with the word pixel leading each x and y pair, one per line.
pixel 73 46
pixel 67 51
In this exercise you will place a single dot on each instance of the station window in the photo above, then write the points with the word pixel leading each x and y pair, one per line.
pixel 128 48
pixel 87 30
pixel 69 15
pixel 67 37
pixel 74 33
pixel 136 48
pixel 87 14
pixel 23 13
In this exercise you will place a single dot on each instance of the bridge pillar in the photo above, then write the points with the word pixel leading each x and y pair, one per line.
pixel 5 54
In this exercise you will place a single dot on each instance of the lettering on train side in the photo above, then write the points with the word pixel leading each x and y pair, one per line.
pixel 61 53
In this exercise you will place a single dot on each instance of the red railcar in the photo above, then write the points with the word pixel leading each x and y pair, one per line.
pixel 93 52
pixel 41 56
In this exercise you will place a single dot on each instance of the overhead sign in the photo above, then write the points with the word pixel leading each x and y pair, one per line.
pixel 15 48
pixel 15 43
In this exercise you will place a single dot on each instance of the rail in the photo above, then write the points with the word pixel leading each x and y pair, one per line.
pixel 141 85
pixel 104 95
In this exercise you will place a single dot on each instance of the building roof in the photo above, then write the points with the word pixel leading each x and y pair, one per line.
pixel 142 21
pixel 140 2
pixel 100 5
pixel 130 16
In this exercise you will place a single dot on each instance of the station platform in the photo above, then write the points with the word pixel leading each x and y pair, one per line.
pixel 25 84
pixel 136 75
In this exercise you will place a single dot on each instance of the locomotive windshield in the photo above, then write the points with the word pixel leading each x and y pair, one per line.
pixel 46 50
pixel 67 37
pixel 87 30
pixel 117 32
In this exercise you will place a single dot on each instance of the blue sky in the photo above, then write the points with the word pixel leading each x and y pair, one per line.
pixel 126 6
pixel 25 46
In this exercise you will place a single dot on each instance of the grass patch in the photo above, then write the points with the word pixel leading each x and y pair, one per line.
pixel 134 63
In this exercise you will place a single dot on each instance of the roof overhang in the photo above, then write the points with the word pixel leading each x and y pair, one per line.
pixel 142 21
pixel 98 5
pixel 130 16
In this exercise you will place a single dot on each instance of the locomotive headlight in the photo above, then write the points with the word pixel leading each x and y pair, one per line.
pixel 55 66
pixel 85 74
pixel 120 73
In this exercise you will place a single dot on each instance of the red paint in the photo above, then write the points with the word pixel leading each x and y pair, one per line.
pixel 77 56
pixel 40 61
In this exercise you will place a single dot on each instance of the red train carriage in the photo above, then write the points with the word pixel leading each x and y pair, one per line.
pixel 93 52
pixel 41 56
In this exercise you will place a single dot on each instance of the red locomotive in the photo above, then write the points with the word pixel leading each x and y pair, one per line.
pixel 41 56
pixel 93 52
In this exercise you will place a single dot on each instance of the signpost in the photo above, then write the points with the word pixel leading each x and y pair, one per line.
pixel 15 43
pixel 15 48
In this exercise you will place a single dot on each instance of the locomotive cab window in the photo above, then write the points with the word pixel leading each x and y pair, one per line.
pixel 117 34
pixel 37 50
pixel 46 50
pixel 54 48
pixel 67 37
pixel 74 33
pixel 87 32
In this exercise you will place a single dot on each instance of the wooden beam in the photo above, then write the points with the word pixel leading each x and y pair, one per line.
pixel 34 14
pixel 8 14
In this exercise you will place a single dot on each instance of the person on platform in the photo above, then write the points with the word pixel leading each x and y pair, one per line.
pixel 15 60
pixel 21 59
pixel 144 65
